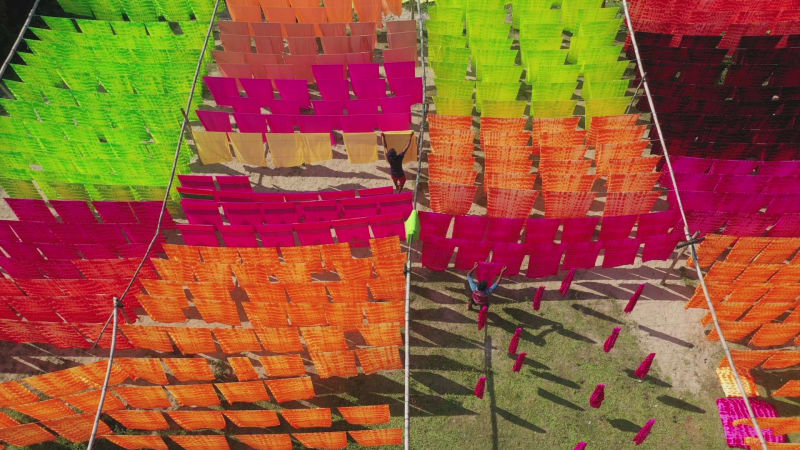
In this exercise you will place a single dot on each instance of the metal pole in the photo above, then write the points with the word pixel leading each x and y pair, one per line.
pixel 19 39
pixel 103 391
pixel 688 233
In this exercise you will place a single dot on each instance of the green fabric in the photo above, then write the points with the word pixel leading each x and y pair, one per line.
pixel 554 108
pixel 553 91
pixel 453 106
pixel 444 14
pixel 605 71
pixel 449 71
pixel 492 108
pixel 498 73
pixel 557 74
pixel 19 188
pixel 604 89
pixel 612 106
pixel 495 91
pixel 454 88
pixel 59 23
pixel 412 226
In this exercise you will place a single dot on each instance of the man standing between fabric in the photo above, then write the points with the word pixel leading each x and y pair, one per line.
pixel 481 290
pixel 395 161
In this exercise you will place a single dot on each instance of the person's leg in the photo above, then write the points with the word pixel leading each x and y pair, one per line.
pixel 401 182
pixel 394 181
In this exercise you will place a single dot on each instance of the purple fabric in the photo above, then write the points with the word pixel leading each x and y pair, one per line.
pixel 436 251
pixel 369 88
pixel 396 104
pixel 510 255
pixel 644 367
pixel 579 229
pixel 401 69
pixel 320 210
pixel 644 432
pixel 487 271
pixel 328 107
pixel 251 123
pixel 276 235
pixel 514 343
pixel 204 235
pixel 295 90
pixel 537 298
pixel 201 212
pixel 611 340
pixel 470 227
pixel 411 87
pixel 597 397
pixel 732 409
pixel 238 235
pixel 660 247
pixel 504 229
pixel 363 123
pixel 242 213
pixel 259 89
pixel 397 204
pixel 224 90
pixel 329 72
pixel 519 362
pixel 285 106
pixel 394 121
pixel 31 210
pixel 654 224
pixel 115 212
pixel 315 233
pixel 365 106
pixel 433 224
pixel 471 252
pixel 359 207
pixel 334 89
pixel 617 227
pixel 541 230
pixel 369 71
pixel 567 282
pixel 353 231
pixel 581 255
pixel 385 226
pixel 215 120
pixel 545 258
pixel 281 123
pixel 480 388
pixel 634 298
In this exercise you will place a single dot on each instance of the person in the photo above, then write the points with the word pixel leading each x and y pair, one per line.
pixel 395 161
pixel 481 290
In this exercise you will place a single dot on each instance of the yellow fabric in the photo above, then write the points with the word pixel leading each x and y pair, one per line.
pixel 249 148
pixel 316 147
pixel 212 146
pixel 285 149
pixel 361 147
pixel 398 141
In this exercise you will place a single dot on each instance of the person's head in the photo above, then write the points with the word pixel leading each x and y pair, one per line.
pixel 392 152
pixel 483 285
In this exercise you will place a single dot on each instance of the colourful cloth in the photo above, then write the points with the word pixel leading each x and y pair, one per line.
pixel 212 146
pixel 361 148
pixel 316 147
pixel 612 339
pixel 398 141
pixel 249 148
pixel 512 346
pixel 285 149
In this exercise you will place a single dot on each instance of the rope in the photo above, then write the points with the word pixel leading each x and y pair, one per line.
pixel 688 234
pixel 118 302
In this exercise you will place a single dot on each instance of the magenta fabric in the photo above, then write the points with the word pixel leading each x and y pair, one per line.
pixel 779 168
pixel 201 212
pixel 741 184
pixel 394 121
pixel 370 192
pixel 102 233
pixel 31 232
pixel 482 316
pixel 397 204
pixel 328 107
pixel 519 362
pixel 634 298
pixel 732 409
pixel 115 212
pixel 198 181
pixel 300 196
pixel 514 343
pixel 359 207
pixel 320 124
pixel 215 120
pixel 31 209
pixel 784 204
pixel 480 388
pixel 251 123
pixel 704 221
pixel 224 90
pixel 369 88
pixel 290 107
pixel 659 223
pixel 385 226
pixel 660 247
pixel 433 224
pixel 233 196
pixel 580 446
pixel 504 229
pixel 470 227
pixel 545 258
pixel 567 282
pixel 91 251
pixel 259 89
pixel 147 212
pixel 620 252
pixel 315 233
pixel 18 268
pixel 691 164
pixel 204 235
pixel 733 166
pixel 337 195
pixel 279 123
pixel 140 234
pixel 487 271
pixel 411 87
pixel 510 255
pixel 369 71
pixel 334 89
pixel 400 69
pixel 280 213
pixel 363 106
pixel 617 227
pixel 644 432
pixel 354 231
pixel 691 181
pixel 611 340
pixel 541 230
pixel 579 229
pixel 6 233
pixel 247 106
pixel 749 224
pixel 295 90
pixel 329 72
pixel 238 235
pixel 58 250
pixel 786 226
pixel 644 367
pixel 436 252
pixel 581 255
pixel 399 104
pixel 363 123
pixel 537 298
pixel 471 252
pixel 320 210
pixel 242 213
pixel 597 397
pixel 276 235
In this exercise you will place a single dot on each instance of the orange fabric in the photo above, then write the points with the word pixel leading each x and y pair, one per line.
pixel 745 249
pixel 289 389
pixel 46 409
pixel 152 338
pixel 137 442
pixel 265 315
pixel 182 252
pixel 627 203
pixel 354 269
pixel 25 435
pixel 202 442
pixel 6 421
pixel 384 436
pixel 495 124
pixel 306 292
pixel 324 339
pixel 141 419
pixel 748 293
pixel 366 415
pixel 450 162
pixel 390 288
pixel 633 165
pixel 224 255
pixel 243 391
pixel 782 360
pixel 243 368
pixel 778 294
pixel 266 293
pixel 558 138
pixel 441 121
pixel 346 316
pixel 712 247
pixel 632 182
pixel 194 395
pixel 716 291
pixel 77 428
pixel 198 420
pixel 280 340
pixel 308 418
pixel 210 290
pixel 266 441
pixel 382 334
pixel 508 177
pixel 451 198
pixel 310 255
pixel 144 397
pixel 149 369
pixel 335 364
pixel 565 167
pixel 193 340
pixel 729 386
pixel 734 331
pixel 445 173
pixel 567 183
pixel 746 359
pixel 615 135
pixel 218 311
pixel 258 255
pixel 190 369
pixel 174 270
pixel 237 340
pixel 368 11
pixel 216 273
pixel 723 272
pixel 459 148
pixel 257 418
pixel 388 265
pixel 778 425
pixel 516 138
pixel 13 393
pixel 755 444
pixel 88 401
pixel 307 314
pixel 379 358
pixel 57 384
pixel 778 250
pixel 571 152
pixel 790 389
pixel 293 273
pixel 244 13
pixel 95 373
pixel 253 274
pixel 162 309
pixel 622 120
pixel 385 312
pixel 283 365
pixel 764 312
pixel 163 288
pixel 334 252
pixel 511 203
pixel 348 291
pixel 757 273
pixel 555 124
pixel 775 334
pixel 787 274
pixel 567 204
pixel 329 440
pixel 730 310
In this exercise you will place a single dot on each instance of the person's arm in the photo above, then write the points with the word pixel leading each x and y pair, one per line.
pixel 408 146
pixel 497 281
pixel 385 147
pixel 470 280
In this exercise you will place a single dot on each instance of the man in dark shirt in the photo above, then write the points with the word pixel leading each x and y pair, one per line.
pixel 481 290
pixel 396 162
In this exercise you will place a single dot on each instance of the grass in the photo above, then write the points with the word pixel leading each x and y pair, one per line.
pixel 546 405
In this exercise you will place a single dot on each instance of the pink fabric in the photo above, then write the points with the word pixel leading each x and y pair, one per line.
pixel 215 120
pixel 750 224
pixel 397 204
pixel 320 124
pixel 620 252
pixel 411 87
pixel 317 233
pixel 436 252
pixel 509 255
pixel 353 231
pixel 519 362
pixel 369 71
pixel 512 346
pixel 329 72
pixel 779 168
pixel 567 282
pixel 31 210
pixel 238 235
pixel 487 271
pixel 470 227
pixel 201 212
pixel 251 123
pixel 786 226
pixel 733 166
pixel 644 432
pixel 385 226
pixel 634 298
pixel 364 123
pixel 611 340
pixel 363 106
pixel 617 227
pixel 359 207
pixel 545 258
pixel 295 90
pixel 470 252
pixel 259 89
pixel 537 298
pixel 394 121
pixel 644 367
pixel 334 89
pixel 280 213
pixel 401 69
pixel 660 248
pixel 285 106
pixel 369 88
pixel 482 315
pixel 433 224
pixel 246 106
pixel 115 212
pixel 480 388
pixel 657 223
pixel 504 229
pixel 579 229
pixel 731 409
pixel 197 181
pixel 400 104
pixel 328 107
pixel 204 235
pixel 581 255
pixel 242 213
pixel 580 446
pixel 147 212
pixel 276 235
pixel 320 210
pixel 597 397
pixel 384 190
pixel 61 251
pixel 691 164
pixel 281 123
pixel 543 230
pixel 224 90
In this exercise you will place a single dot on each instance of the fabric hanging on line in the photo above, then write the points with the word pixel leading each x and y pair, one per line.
pixel 361 147
pixel 398 141
pixel 249 148
pixel 316 147
pixel 285 149
pixel 212 146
